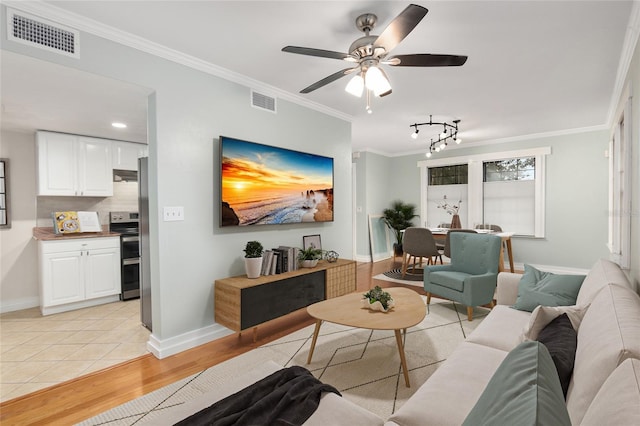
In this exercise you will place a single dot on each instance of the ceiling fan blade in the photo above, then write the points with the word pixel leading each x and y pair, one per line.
pixel 400 27
pixel 317 52
pixel 426 60
pixel 333 77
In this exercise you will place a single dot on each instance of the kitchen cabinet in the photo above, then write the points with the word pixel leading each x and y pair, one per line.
pixel 79 272
pixel 74 165
pixel 126 154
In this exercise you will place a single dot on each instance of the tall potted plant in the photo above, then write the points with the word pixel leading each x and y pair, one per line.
pixel 253 259
pixel 398 218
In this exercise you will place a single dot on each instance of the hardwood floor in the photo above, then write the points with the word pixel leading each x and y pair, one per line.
pixel 79 399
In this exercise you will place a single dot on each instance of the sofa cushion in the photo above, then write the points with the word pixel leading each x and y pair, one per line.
pixel 502 329
pixel 560 339
pixel 543 315
pixel 609 334
pixel 618 401
pixel 524 390
pixel 603 272
pixel 546 288
pixel 452 390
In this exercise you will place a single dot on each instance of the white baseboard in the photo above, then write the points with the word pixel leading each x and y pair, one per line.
pixel 19 304
pixel 173 345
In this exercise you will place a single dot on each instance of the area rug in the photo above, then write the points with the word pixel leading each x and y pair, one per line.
pixel 363 365
pixel 412 277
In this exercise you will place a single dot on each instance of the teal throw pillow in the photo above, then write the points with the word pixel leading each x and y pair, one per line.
pixel 546 289
pixel 524 390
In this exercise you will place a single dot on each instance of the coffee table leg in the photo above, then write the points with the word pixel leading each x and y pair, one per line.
pixel 313 341
pixel 403 360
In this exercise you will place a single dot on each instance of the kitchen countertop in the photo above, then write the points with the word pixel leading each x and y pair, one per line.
pixel 47 234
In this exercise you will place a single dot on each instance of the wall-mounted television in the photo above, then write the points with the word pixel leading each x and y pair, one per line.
pixel 266 185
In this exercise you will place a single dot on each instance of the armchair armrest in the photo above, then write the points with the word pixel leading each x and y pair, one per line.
pixel 479 289
pixel 507 291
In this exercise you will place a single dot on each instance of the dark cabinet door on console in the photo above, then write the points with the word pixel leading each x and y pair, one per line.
pixel 265 302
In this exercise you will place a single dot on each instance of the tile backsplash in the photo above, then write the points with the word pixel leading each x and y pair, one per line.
pixel 125 198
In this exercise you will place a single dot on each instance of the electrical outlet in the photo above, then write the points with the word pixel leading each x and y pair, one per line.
pixel 171 214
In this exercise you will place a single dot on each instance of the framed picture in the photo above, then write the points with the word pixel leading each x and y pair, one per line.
pixel 311 241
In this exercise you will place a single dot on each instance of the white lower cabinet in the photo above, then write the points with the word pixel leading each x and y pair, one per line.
pixel 76 273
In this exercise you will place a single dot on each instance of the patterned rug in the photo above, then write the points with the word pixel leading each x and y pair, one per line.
pixel 363 365
pixel 412 277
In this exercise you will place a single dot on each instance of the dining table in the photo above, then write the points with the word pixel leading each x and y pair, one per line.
pixel 440 234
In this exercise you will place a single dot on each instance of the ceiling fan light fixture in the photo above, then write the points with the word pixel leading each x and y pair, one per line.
pixel 355 86
pixel 376 81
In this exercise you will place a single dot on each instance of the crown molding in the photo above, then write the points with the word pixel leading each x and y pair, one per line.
pixel 628 47
pixel 489 142
pixel 64 17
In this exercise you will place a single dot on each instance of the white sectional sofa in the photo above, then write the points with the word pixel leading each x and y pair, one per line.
pixel 604 389
pixel 608 348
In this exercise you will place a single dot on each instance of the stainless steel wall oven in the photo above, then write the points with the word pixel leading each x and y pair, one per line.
pixel 126 224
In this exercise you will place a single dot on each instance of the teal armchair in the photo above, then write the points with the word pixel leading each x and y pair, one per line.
pixel 471 277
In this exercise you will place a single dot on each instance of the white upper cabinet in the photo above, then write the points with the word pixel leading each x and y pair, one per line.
pixel 74 165
pixel 126 154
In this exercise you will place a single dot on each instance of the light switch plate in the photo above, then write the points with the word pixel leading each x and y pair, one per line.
pixel 171 214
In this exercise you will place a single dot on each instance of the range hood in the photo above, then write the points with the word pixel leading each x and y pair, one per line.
pixel 125 175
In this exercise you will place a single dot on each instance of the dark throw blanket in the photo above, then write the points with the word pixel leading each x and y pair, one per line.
pixel 287 397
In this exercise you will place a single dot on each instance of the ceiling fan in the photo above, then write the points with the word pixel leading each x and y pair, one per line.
pixel 370 51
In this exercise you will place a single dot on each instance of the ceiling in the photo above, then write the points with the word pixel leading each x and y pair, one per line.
pixel 534 67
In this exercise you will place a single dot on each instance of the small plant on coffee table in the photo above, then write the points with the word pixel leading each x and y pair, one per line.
pixel 376 294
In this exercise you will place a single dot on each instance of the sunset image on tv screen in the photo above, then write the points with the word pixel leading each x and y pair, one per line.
pixel 263 184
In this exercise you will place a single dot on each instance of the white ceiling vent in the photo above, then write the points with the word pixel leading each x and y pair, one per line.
pixel 38 32
pixel 261 101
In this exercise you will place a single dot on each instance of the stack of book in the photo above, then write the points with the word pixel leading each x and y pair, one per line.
pixel 279 260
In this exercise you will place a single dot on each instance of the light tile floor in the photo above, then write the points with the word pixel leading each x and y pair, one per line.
pixel 37 352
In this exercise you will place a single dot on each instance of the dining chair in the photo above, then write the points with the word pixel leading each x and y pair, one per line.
pixel 418 243
pixel 494 228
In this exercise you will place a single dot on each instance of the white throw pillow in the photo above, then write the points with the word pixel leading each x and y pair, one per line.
pixel 543 315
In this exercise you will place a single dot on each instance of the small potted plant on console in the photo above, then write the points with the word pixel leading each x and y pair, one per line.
pixel 253 259
pixel 309 257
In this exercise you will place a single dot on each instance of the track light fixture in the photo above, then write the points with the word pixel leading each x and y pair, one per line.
pixel 449 133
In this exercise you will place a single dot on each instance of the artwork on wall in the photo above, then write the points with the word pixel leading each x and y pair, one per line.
pixel 379 240
pixel 264 185
pixel 311 241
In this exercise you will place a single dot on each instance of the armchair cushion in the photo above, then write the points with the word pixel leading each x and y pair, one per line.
pixel 451 279
pixel 547 289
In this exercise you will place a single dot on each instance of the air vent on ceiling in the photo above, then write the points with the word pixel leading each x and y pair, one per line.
pixel 261 101
pixel 38 32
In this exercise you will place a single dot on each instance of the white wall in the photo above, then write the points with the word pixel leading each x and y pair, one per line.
pixel 18 250
pixel 189 110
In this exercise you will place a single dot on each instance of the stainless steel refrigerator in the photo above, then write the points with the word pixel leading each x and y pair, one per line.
pixel 145 269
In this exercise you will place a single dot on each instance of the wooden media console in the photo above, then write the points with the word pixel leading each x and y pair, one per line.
pixel 241 303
